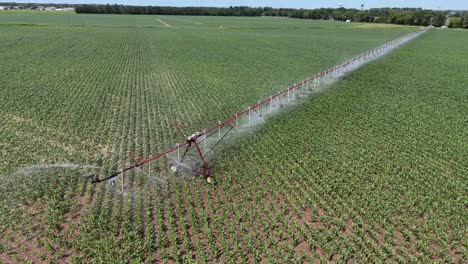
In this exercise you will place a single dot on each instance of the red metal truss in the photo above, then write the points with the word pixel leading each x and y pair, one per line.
pixel 193 139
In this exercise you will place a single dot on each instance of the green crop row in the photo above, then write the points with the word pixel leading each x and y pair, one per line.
pixel 370 170
pixel 377 163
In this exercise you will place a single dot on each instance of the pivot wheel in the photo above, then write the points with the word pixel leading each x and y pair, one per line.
pixel 173 168
pixel 210 180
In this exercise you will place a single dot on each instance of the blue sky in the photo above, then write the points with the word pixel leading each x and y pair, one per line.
pixel 428 4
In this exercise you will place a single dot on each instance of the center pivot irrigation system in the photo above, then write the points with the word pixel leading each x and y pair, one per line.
pixel 197 141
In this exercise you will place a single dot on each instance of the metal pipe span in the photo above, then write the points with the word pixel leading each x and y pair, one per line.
pixel 221 124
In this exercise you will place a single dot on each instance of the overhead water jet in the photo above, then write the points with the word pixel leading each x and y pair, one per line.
pixel 253 116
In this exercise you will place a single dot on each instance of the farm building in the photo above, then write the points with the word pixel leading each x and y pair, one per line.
pixel 65 9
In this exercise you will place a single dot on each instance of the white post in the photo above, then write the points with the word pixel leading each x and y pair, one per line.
pixel 236 121
pixel 288 96
pixel 204 140
pixel 259 109
pixel 270 104
pixel 249 115
pixel 178 153
pixel 219 130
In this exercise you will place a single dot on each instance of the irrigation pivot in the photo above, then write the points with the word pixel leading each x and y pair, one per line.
pixel 194 146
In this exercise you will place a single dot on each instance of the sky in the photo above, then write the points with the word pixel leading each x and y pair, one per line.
pixel 426 4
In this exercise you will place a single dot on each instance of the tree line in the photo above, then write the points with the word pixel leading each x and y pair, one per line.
pixel 401 16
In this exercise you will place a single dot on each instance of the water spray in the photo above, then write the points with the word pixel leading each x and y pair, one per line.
pixel 192 153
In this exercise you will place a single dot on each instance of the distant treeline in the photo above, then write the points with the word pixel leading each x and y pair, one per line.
pixel 402 16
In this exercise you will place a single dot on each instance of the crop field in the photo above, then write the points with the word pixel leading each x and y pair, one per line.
pixel 60 19
pixel 372 169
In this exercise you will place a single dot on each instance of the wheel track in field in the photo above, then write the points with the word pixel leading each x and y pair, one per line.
pixel 162 22
pixel 184 20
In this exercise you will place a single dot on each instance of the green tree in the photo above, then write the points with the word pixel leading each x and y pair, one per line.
pixel 455 22
pixel 438 20
pixel 465 21
pixel 403 16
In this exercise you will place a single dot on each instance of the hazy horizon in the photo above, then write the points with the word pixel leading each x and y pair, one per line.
pixel 425 4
